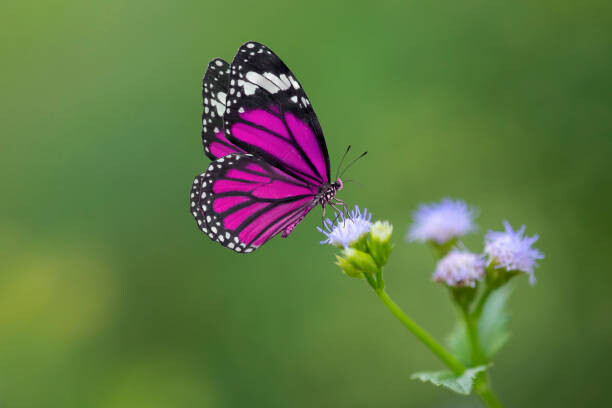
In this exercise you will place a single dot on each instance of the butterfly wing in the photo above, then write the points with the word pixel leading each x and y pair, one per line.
pixel 269 115
pixel 241 201
pixel 214 93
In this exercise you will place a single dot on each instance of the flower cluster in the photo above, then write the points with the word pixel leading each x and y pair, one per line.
pixel 365 245
pixel 444 223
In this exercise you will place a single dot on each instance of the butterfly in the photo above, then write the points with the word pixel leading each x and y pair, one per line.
pixel 270 163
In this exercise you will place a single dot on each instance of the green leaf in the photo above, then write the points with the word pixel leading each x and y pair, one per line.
pixel 459 344
pixel 493 329
pixel 460 384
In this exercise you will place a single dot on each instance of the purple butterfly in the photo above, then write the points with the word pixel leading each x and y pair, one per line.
pixel 270 163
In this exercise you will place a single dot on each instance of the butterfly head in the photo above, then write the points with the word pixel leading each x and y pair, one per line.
pixel 338 184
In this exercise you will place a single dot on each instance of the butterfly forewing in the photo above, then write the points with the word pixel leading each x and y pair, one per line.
pixel 269 115
pixel 214 93
pixel 241 201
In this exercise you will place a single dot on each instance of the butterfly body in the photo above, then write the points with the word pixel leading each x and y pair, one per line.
pixel 270 163
pixel 327 192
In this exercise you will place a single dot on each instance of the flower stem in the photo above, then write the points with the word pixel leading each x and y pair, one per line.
pixel 481 302
pixel 484 390
pixel 446 357
pixel 481 382
pixel 471 327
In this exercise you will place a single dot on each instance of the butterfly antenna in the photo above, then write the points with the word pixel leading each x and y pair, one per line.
pixel 342 160
pixel 351 163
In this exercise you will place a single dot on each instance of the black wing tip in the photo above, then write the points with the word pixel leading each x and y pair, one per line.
pixel 215 63
pixel 255 43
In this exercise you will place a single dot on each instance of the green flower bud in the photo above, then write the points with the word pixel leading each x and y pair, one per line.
pixel 463 295
pixel 497 277
pixel 347 268
pixel 361 244
pixel 378 244
pixel 441 250
pixel 359 260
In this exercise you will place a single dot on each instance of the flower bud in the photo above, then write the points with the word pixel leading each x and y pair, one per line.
pixel 381 231
pixel 347 268
pixel 463 295
pixel 361 244
pixel 359 260
pixel 378 244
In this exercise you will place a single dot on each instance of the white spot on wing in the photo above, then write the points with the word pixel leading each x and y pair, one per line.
pixel 249 88
pixel 281 82
pixel 221 96
pixel 268 81
pixel 219 106
pixel 294 83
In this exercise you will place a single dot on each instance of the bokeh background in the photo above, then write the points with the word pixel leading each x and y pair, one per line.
pixel 111 297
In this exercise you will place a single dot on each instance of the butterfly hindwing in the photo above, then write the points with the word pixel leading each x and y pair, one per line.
pixel 215 86
pixel 241 201
pixel 269 115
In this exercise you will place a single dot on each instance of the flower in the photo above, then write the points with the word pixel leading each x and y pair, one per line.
pixel 441 222
pixel 512 251
pixel 460 268
pixel 347 229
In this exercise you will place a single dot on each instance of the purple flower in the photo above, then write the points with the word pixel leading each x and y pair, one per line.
pixel 460 268
pixel 347 229
pixel 512 251
pixel 441 222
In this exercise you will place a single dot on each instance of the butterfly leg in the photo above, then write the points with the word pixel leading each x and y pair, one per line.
pixel 342 203
pixel 323 216
pixel 336 217
pixel 338 212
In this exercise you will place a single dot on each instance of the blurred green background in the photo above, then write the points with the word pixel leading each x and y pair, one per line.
pixel 111 297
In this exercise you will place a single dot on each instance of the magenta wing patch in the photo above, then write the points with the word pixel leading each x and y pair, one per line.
pixel 269 115
pixel 241 201
pixel 214 93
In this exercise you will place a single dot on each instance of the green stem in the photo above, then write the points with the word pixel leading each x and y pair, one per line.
pixel 471 326
pixel 481 382
pixel 446 357
pixel 484 390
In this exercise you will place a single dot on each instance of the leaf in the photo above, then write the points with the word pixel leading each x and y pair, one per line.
pixel 493 329
pixel 493 332
pixel 460 384
pixel 459 344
